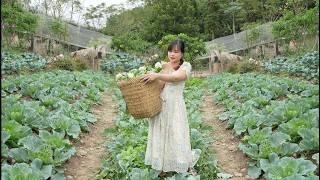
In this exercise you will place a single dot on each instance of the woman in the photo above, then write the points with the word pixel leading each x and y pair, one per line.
pixel 168 147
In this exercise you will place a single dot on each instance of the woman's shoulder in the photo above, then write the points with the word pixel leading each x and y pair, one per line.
pixel 186 64
pixel 165 65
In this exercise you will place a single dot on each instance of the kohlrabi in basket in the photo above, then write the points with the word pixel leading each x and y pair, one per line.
pixel 140 71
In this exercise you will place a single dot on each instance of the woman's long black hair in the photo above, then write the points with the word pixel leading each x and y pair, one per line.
pixel 179 44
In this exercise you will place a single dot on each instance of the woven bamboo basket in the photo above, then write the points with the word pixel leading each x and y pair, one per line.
pixel 143 100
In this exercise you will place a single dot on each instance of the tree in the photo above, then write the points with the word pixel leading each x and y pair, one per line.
pixel 54 8
pixel 95 16
pixel 299 6
pixel 59 28
pixel 129 21
pixel 15 18
pixel 75 7
pixel 59 7
pixel 295 27
pixel 131 43
pixel 172 17
pixel 127 29
pixel 234 7
pixel 253 32
pixel 216 21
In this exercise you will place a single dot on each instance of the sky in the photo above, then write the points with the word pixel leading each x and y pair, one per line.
pixel 87 3
pixel 77 17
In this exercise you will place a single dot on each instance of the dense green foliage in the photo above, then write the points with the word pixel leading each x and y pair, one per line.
pixel 208 19
pixel 306 66
pixel 15 63
pixel 120 62
pixel 69 64
pixel 172 17
pixel 253 33
pixel 295 26
pixel 128 144
pixel 130 42
pixel 132 21
pixel 40 113
pixel 128 29
pixel 277 118
pixel 15 18
pixel 58 28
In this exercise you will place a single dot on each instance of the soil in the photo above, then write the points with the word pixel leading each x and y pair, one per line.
pixel 225 145
pixel 90 146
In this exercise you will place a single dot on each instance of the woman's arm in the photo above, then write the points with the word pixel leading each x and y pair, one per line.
pixel 178 75
pixel 162 83
pixel 164 70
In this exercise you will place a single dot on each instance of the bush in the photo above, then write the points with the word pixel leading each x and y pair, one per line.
pixel 70 64
pixel 80 64
pixel 65 64
pixel 243 67
pixel 247 66
pixel 130 43
pixel 233 69
pixel 120 62
pixel 17 19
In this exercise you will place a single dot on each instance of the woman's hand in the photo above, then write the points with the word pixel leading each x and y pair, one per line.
pixel 149 77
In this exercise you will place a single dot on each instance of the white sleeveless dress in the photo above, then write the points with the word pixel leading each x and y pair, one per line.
pixel 169 147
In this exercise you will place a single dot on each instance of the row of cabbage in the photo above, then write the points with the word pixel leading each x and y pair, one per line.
pixel 120 62
pixel 277 120
pixel 306 66
pixel 40 114
pixel 126 149
pixel 14 63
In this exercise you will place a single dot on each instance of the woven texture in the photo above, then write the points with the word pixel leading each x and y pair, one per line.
pixel 143 100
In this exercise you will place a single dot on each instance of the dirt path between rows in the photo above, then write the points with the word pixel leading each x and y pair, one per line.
pixel 90 148
pixel 225 146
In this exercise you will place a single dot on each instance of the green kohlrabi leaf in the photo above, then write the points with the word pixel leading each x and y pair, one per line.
pixel 279 138
pixel 310 138
pixel 55 140
pixel 44 170
pixel 16 130
pixel 20 171
pixel 32 143
pixel 61 155
pixel 254 172
pixel 4 136
pixel 19 154
pixel 257 136
pixel 316 157
pixel 289 166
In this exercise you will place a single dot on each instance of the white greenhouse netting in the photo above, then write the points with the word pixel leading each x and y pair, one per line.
pixel 83 37
pixel 78 36
pixel 237 42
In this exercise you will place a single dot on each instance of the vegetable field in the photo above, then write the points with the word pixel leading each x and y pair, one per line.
pixel 305 67
pixel 252 97
pixel 14 63
pixel 40 114
pixel 276 120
